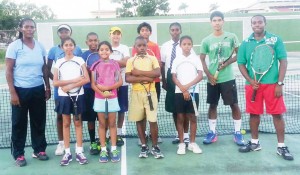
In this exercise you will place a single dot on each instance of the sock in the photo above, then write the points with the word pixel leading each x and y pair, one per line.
pixel 143 145
pixel 281 145
pixel 186 135
pixel 103 149
pixel 119 131
pixel 113 148
pixel 254 141
pixel 237 125
pixel 92 135
pixel 61 142
pixel 67 151
pixel 212 124
pixel 79 150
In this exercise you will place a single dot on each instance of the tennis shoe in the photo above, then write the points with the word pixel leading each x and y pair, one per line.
pixel 40 156
pixel 144 152
pixel 115 156
pixel 21 161
pixel 66 159
pixel 176 140
pixel 60 150
pixel 238 138
pixel 94 149
pixel 81 159
pixel 120 141
pixel 195 148
pixel 181 148
pixel 156 152
pixel 250 147
pixel 211 137
pixel 103 156
pixel 285 153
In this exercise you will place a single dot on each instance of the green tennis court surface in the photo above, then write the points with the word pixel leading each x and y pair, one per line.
pixel 221 157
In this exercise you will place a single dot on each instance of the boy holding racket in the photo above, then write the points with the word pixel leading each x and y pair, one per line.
pixel 89 114
pixel 121 55
pixel 141 70
pixel 186 74
pixel 269 89
pixel 65 82
pixel 220 46
pixel 145 30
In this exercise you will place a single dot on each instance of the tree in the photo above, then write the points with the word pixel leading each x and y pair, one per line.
pixel 213 7
pixel 183 7
pixel 142 7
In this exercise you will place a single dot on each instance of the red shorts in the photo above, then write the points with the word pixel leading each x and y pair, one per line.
pixel 265 92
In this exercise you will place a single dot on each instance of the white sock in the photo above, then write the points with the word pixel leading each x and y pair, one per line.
pixel 67 151
pixel 119 131
pixel 186 135
pixel 79 150
pixel 113 148
pixel 212 124
pixel 254 141
pixel 237 125
pixel 61 142
pixel 281 145
pixel 103 149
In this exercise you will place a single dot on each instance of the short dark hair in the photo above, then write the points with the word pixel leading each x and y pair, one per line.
pixel 185 37
pixel 139 38
pixel 216 14
pixel 144 24
pixel 90 34
pixel 175 24
pixel 105 43
pixel 67 39
pixel 259 15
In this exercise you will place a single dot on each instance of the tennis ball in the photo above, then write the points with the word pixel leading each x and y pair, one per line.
pixel 106 92
pixel 243 131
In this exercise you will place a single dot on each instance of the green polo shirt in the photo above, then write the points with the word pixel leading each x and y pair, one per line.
pixel 247 47
pixel 210 46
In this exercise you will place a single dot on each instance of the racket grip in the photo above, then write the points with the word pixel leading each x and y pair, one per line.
pixel 253 95
pixel 150 102
pixel 76 113
pixel 106 108
pixel 195 109
pixel 216 74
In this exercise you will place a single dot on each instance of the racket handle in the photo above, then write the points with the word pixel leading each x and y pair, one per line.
pixel 216 74
pixel 150 102
pixel 106 108
pixel 75 112
pixel 253 95
pixel 195 108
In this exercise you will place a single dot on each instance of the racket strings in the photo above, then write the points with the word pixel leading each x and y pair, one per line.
pixel 262 58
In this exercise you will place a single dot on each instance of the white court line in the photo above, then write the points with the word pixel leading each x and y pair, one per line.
pixel 292 94
pixel 123 155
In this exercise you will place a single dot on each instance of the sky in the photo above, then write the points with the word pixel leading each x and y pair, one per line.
pixel 78 9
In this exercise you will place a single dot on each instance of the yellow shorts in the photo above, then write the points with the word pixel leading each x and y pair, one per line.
pixel 139 107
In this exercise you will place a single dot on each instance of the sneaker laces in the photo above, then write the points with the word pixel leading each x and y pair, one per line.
pixel 103 154
pixel 94 145
pixel 66 156
pixel 115 153
pixel 81 155
pixel 157 149
pixel 285 150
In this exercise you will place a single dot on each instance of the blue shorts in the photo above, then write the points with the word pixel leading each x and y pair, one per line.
pixel 123 98
pixel 64 105
pixel 113 105
pixel 89 114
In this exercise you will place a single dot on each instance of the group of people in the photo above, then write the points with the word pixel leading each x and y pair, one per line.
pixel 28 74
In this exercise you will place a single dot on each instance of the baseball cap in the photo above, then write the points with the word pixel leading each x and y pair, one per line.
pixel 113 29
pixel 64 26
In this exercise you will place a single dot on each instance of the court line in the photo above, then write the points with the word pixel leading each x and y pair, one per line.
pixel 123 154
pixel 292 94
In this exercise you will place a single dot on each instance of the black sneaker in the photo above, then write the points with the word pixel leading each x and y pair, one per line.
pixel 285 153
pixel 21 161
pixel 250 147
pixel 94 149
pixel 120 141
pixel 144 152
pixel 40 156
pixel 156 152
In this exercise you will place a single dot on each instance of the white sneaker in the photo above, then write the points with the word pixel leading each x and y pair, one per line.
pixel 181 148
pixel 60 150
pixel 195 148
pixel 159 140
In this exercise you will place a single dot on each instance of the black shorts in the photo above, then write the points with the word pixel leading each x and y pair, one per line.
pixel 65 105
pixel 183 106
pixel 157 87
pixel 226 89
pixel 89 114
pixel 123 98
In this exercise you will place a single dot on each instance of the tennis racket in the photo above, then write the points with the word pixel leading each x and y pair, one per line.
pixel 146 65
pixel 69 70
pixel 116 55
pixel 262 59
pixel 107 74
pixel 186 72
pixel 222 59
pixel 91 59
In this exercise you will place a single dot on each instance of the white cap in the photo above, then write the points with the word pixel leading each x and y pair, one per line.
pixel 64 26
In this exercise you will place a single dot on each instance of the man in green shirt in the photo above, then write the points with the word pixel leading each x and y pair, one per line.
pixel 269 89
pixel 219 46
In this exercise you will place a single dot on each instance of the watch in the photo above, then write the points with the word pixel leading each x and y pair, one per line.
pixel 280 83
